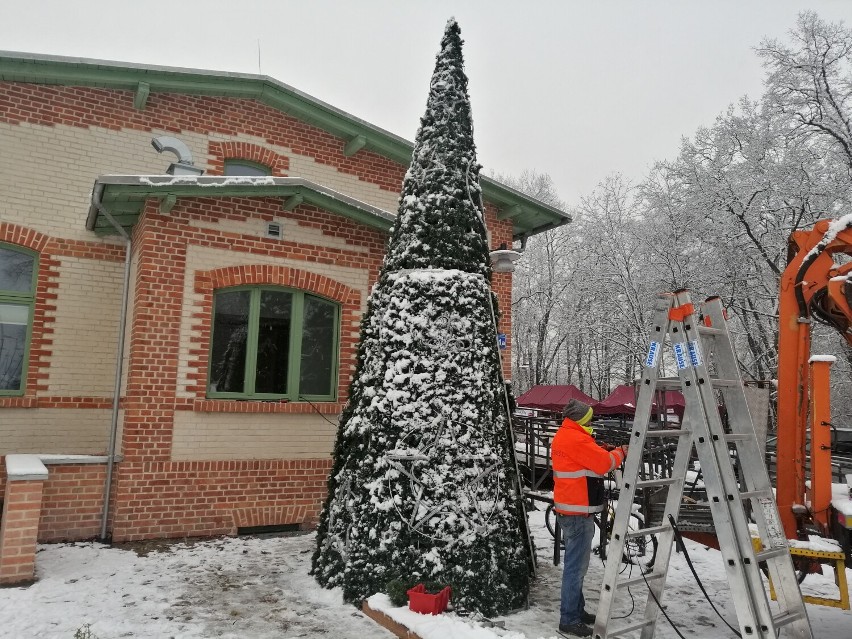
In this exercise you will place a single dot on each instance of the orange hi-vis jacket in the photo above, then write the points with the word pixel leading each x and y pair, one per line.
pixel 579 468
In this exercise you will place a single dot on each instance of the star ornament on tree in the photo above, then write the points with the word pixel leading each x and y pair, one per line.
pixel 468 501
pixel 444 337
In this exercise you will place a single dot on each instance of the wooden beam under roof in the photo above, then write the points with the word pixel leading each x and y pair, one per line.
pixel 140 99
pixel 354 145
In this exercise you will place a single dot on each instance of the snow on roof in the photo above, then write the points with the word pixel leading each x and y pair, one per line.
pixel 233 180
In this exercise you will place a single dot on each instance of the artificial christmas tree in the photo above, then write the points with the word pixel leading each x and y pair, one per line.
pixel 424 483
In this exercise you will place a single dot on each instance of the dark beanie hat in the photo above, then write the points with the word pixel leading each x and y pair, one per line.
pixel 576 410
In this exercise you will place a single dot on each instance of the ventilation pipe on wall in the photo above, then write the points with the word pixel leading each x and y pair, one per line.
pixel 184 165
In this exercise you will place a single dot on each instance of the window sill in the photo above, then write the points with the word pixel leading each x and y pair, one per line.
pixel 249 406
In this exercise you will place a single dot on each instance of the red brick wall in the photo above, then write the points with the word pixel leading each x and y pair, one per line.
pixel 155 496
pixel 73 501
pixel 18 530
pixel 177 499
pixel 176 113
pixel 501 233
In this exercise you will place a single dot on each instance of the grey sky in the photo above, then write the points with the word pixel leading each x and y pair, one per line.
pixel 574 89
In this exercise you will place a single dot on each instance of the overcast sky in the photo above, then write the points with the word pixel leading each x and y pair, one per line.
pixel 574 89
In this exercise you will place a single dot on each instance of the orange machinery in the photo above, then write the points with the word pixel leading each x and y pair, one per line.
pixel 814 287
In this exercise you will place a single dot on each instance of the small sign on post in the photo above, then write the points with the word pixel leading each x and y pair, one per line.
pixel 501 340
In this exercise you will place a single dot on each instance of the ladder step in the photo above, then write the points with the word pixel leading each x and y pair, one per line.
pixel 668 383
pixel 787 617
pixel 651 530
pixel 757 493
pixel 665 432
pixel 725 383
pixel 740 437
pixel 771 553
pixel 627 629
pixel 710 331
pixel 641 579
pixel 653 483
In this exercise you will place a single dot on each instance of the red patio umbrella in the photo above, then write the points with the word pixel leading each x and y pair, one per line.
pixel 622 401
pixel 553 398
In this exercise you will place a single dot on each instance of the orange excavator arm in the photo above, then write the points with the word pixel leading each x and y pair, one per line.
pixel 814 287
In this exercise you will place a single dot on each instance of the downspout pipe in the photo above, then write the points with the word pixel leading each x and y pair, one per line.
pixel 119 358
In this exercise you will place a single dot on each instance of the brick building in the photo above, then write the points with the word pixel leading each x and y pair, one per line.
pixel 244 287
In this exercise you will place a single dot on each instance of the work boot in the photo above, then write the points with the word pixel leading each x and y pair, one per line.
pixel 587 618
pixel 578 629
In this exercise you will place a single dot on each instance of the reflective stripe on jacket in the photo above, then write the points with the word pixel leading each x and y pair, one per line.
pixel 579 466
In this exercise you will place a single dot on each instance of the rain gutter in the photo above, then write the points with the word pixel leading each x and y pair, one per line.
pixel 97 192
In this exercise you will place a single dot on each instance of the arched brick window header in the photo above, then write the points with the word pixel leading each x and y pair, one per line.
pixel 22 236
pixel 221 151
pixel 40 350
pixel 207 281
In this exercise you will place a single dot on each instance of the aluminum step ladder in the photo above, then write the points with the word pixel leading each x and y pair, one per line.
pixel 706 364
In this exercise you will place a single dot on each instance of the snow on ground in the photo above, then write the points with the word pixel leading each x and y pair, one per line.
pixel 260 588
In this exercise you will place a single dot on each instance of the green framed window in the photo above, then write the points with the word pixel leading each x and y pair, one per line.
pixel 273 343
pixel 245 167
pixel 18 272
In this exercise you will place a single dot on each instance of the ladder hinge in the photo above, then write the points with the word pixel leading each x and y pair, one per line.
pixel 680 313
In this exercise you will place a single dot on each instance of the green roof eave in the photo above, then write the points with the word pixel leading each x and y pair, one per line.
pixel 41 69
pixel 356 133
pixel 123 197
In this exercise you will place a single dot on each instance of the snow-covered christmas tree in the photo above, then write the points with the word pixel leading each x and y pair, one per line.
pixel 424 484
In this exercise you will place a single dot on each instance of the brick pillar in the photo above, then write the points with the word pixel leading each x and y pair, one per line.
pixel 25 477
pixel 501 284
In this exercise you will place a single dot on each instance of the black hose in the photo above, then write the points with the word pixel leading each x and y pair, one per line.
pixel 682 547
pixel 660 606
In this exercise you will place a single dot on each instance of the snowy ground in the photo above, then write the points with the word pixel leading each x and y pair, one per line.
pixel 259 588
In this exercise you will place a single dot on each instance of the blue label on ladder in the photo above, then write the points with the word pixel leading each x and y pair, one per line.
pixel 680 355
pixel 653 355
pixel 694 352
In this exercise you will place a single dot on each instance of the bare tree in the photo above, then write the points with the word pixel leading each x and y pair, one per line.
pixel 715 219
pixel 810 80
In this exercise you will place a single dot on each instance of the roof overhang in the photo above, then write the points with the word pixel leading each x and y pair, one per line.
pixel 528 215
pixel 124 196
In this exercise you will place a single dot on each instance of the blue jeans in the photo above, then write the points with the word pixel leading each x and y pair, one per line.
pixel 577 534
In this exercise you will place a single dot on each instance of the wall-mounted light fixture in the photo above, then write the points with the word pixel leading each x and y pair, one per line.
pixel 503 259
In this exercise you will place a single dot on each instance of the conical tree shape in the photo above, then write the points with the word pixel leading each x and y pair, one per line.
pixel 424 484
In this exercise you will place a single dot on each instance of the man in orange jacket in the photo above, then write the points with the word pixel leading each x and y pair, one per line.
pixel 579 468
